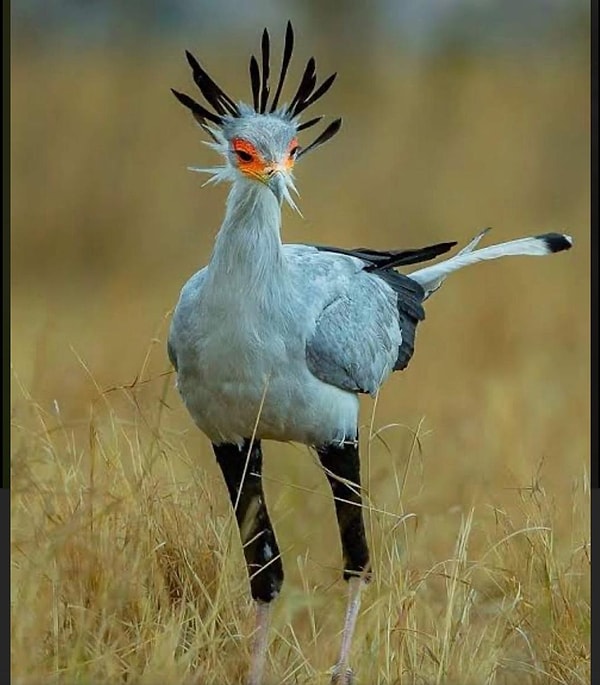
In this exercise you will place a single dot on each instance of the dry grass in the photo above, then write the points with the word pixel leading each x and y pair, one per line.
pixel 126 565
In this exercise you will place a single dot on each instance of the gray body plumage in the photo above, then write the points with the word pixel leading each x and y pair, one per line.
pixel 289 328
pixel 276 341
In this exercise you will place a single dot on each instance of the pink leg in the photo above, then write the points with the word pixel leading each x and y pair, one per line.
pixel 259 645
pixel 342 468
pixel 242 469
pixel 342 673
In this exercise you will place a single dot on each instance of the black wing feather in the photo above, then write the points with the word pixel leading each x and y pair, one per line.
pixel 386 259
pixel 410 293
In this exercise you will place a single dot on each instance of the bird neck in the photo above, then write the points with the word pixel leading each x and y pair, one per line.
pixel 248 250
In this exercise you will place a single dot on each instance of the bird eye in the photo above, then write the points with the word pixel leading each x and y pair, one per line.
pixel 294 151
pixel 243 155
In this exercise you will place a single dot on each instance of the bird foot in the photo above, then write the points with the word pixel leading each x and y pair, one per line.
pixel 342 676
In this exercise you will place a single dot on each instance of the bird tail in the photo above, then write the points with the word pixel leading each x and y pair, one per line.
pixel 432 277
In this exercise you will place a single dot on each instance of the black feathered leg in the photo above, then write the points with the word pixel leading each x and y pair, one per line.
pixel 342 467
pixel 242 470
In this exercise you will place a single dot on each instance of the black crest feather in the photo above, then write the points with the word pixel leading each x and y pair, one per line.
pixel 321 90
pixel 307 83
pixel 327 134
pixel 224 106
pixel 285 63
pixel 214 95
pixel 255 81
pixel 201 114
pixel 264 89
pixel 309 123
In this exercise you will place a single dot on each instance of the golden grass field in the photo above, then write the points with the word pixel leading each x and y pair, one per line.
pixel 126 567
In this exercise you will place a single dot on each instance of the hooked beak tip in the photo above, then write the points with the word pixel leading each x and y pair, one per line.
pixel 280 185
pixel 276 183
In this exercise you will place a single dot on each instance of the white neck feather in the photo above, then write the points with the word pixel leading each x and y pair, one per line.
pixel 248 255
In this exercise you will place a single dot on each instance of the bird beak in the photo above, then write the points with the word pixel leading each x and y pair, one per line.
pixel 279 181
pixel 275 180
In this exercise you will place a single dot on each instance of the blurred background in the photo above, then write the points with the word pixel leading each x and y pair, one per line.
pixel 457 115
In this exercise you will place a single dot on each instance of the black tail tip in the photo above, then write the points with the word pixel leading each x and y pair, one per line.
pixel 556 242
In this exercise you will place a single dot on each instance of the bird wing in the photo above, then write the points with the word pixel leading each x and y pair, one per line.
pixel 181 331
pixel 367 330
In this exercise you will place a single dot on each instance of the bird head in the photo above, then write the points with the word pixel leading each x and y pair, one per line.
pixel 259 142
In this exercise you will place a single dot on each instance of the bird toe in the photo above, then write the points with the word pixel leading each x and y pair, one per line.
pixel 342 676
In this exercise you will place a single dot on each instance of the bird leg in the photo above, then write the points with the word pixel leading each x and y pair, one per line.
pixel 342 673
pixel 342 467
pixel 242 471
pixel 259 647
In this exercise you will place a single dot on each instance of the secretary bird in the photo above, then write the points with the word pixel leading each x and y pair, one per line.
pixel 276 341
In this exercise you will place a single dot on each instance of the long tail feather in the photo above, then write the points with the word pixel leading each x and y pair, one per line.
pixel 432 277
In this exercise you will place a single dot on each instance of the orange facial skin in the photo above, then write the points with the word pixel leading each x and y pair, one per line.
pixel 250 162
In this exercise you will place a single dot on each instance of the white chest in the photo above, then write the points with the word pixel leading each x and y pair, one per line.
pixel 243 372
